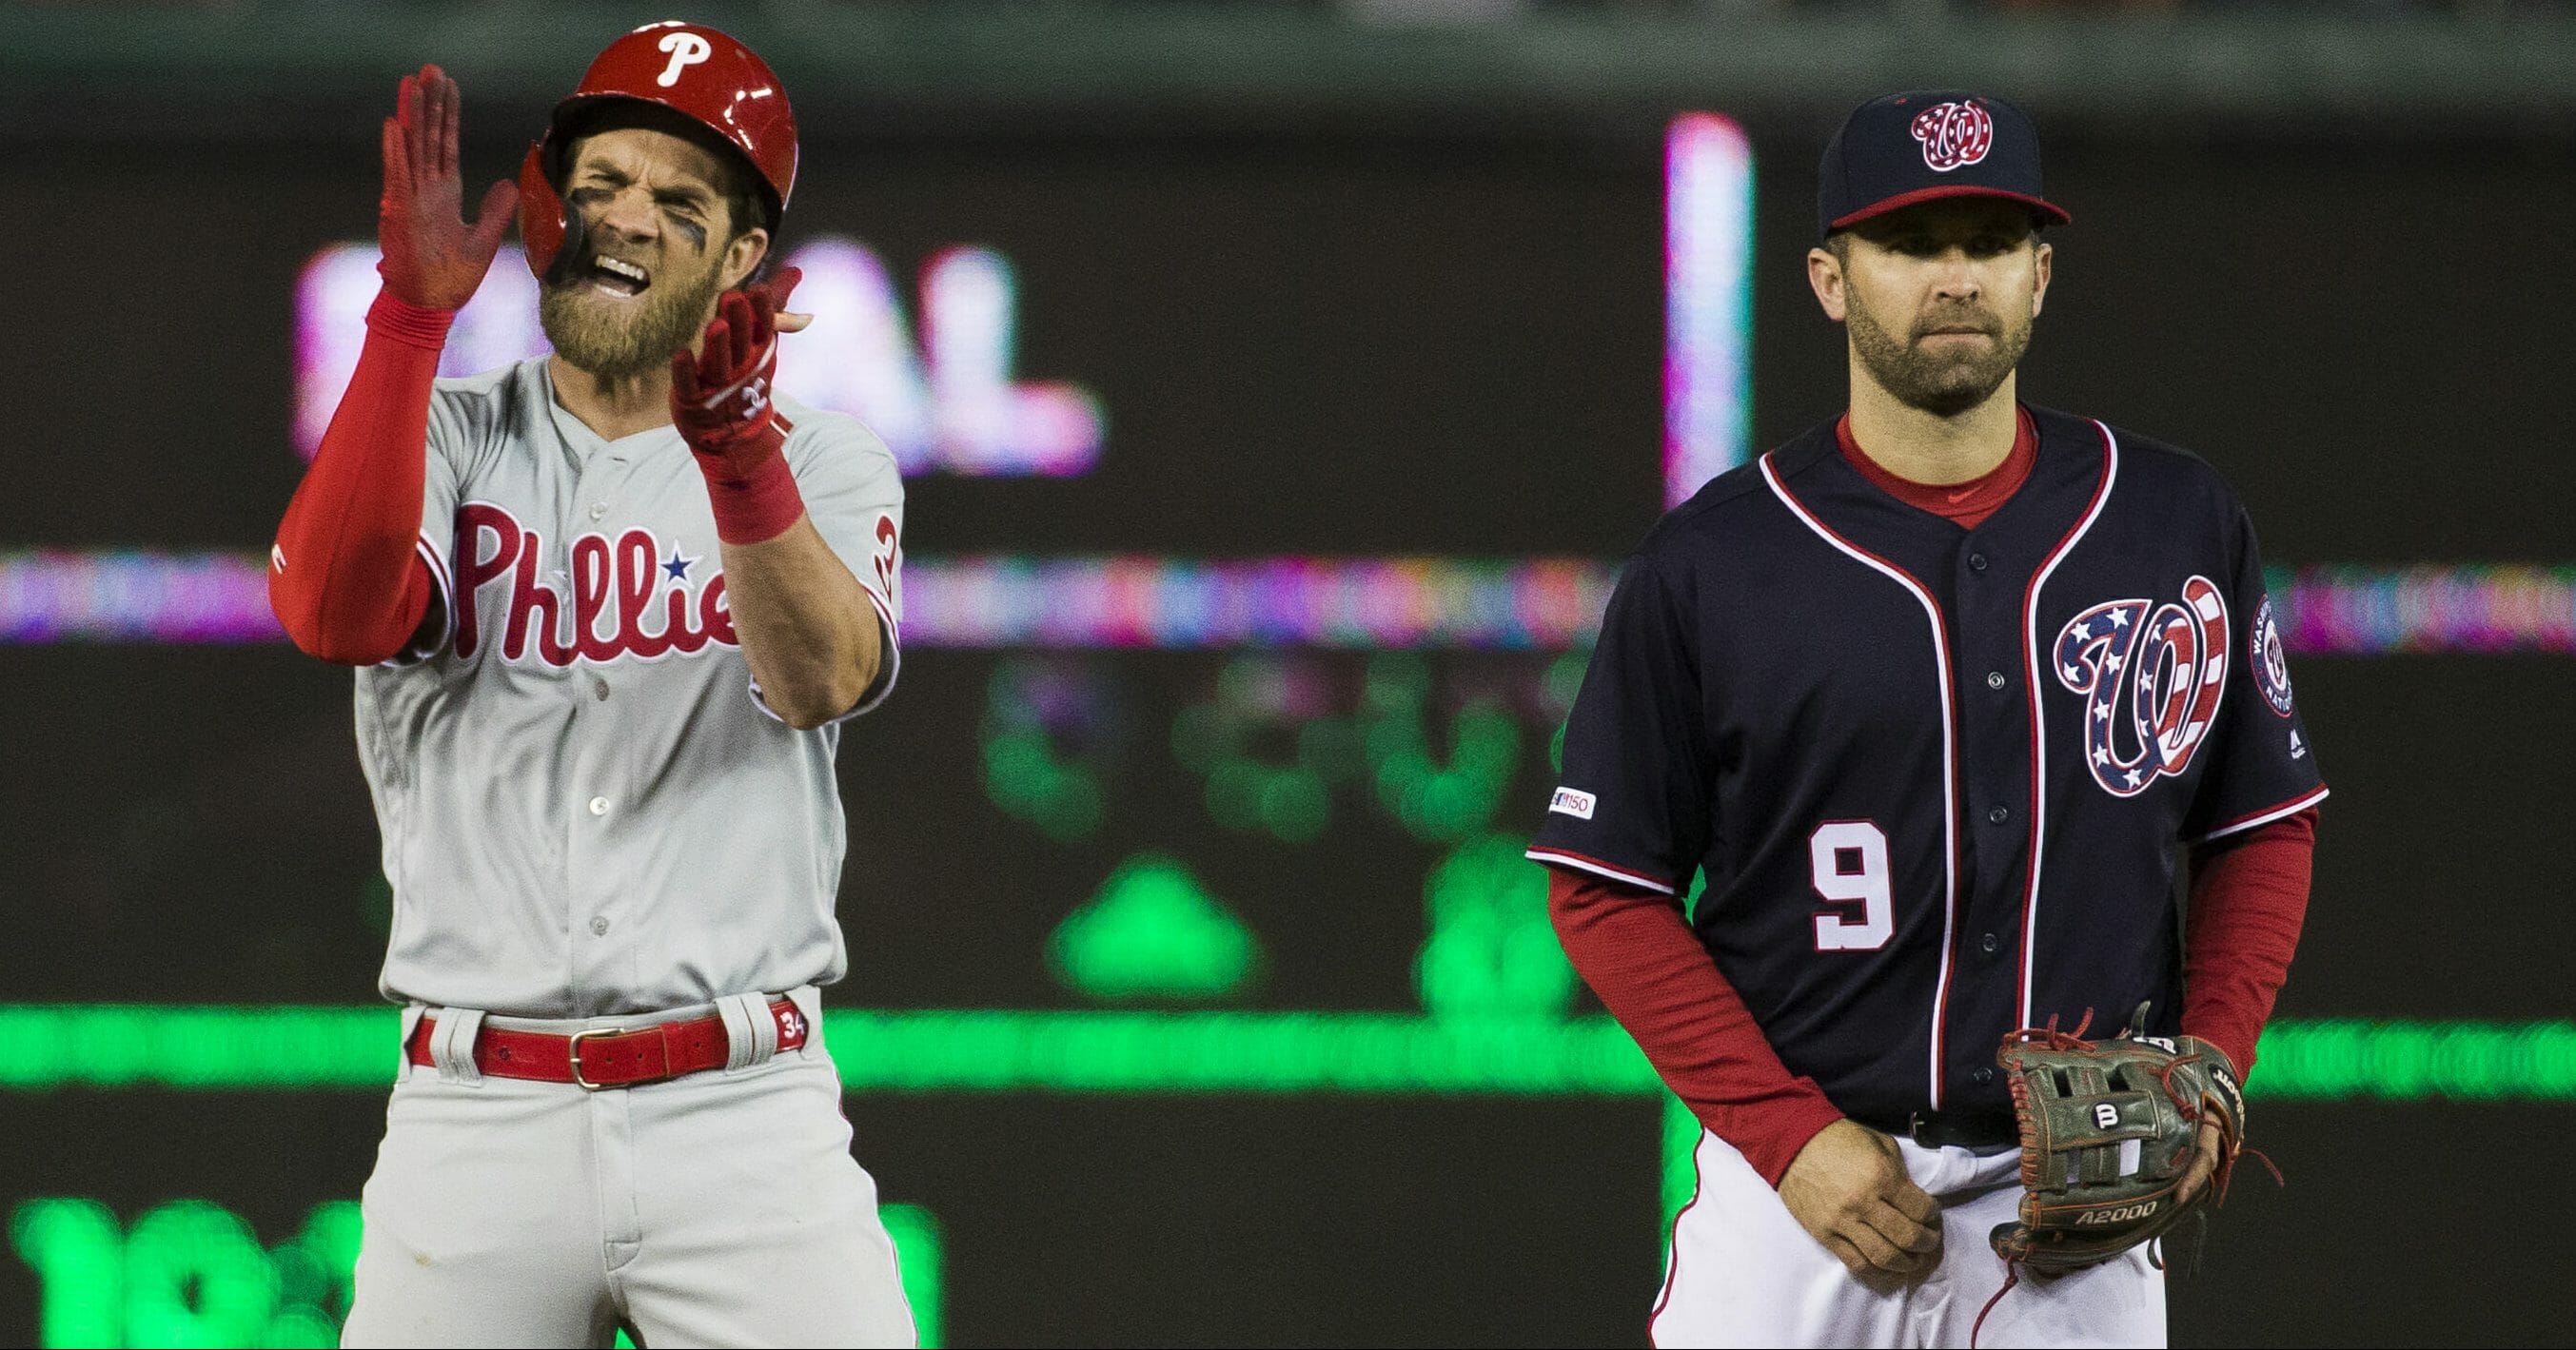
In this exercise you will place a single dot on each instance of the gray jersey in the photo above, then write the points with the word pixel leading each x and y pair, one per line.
pixel 586 808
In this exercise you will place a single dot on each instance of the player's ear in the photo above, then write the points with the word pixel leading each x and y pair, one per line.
pixel 1825 277
pixel 743 255
pixel 2040 263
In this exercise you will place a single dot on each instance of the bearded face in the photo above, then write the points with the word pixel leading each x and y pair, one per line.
pixel 613 318
pixel 1939 301
pixel 650 248
pixel 1943 360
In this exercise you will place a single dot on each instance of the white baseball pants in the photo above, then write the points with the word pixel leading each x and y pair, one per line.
pixel 722 1208
pixel 1745 1273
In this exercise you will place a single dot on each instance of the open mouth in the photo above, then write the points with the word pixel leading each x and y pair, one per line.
pixel 618 277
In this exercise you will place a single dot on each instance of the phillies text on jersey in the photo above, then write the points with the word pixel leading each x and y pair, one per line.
pixel 587 809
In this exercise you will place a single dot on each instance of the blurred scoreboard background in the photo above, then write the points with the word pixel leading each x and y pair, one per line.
pixel 1266 478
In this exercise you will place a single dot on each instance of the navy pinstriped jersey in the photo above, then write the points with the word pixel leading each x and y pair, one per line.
pixel 1934 776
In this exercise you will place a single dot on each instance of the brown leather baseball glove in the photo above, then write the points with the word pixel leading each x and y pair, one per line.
pixel 2109 1129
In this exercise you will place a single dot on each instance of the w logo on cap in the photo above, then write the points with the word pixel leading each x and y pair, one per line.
pixel 1954 134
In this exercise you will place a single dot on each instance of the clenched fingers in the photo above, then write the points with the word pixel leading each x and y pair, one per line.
pixel 1883 1256
pixel 1913 1201
pixel 1901 1231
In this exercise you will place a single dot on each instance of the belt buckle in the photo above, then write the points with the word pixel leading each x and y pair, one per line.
pixel 578 1076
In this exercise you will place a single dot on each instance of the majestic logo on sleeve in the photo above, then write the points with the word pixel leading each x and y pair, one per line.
pixel 2151 682
pixel 2271 661
pixel 624 598
pixel 1954 135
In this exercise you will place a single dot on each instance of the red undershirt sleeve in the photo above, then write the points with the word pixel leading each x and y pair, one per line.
pixel 1639 955
pixel 2248 900
pixel 345 578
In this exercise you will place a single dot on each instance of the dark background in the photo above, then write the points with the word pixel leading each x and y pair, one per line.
pixel 1339 343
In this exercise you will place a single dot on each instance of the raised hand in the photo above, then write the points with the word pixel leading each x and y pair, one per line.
pixel 773 293
pixel 720 397
pixel 431 257
pixel 722 403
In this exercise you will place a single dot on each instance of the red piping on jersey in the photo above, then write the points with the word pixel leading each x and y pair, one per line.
pixel 2038 724
pixel 2267 815
pixel 1949 752
pixel 1598 867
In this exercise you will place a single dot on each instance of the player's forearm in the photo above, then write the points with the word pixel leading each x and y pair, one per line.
pixel 2247 906
pixel 1651 972
pixel 343 578
pixel 805 623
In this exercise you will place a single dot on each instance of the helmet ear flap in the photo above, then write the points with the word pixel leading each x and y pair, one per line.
pixel 548 232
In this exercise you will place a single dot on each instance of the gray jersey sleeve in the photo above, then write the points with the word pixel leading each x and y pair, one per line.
pixel 854 495
pixel 461 418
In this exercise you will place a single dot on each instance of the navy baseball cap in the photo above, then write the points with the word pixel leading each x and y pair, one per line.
pixel 1905 148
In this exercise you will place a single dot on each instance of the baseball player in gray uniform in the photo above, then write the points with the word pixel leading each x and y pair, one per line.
pixel 607 607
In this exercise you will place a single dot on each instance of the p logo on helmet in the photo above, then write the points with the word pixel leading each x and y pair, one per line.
pixel 686 49
pixel 735 96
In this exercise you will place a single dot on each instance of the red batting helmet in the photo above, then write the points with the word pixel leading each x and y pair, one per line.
pixel 689 68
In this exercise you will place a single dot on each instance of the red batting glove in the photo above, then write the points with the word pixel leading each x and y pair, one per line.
pixel 721 402
pixel 431 259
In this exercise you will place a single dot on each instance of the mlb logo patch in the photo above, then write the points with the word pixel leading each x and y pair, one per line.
pixel 1572 803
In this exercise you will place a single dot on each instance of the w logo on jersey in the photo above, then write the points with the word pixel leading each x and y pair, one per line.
pixel 1954 134
pixel 2151 682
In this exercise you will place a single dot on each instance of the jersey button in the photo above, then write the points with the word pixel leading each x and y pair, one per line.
pixel 598 687
pixel 599 806
pixel 1994 680
pixel 1999 815
pixel 1976 562
pixel 1982 1076
pixel 1987 944
pixel 599 925
pixel 598 509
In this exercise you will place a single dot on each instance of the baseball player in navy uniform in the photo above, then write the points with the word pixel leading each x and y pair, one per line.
pixel 608 607
pixel 1934 696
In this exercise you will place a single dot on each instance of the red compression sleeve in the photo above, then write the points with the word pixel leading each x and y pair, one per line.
pixel 1634 949
pixel 344 578
pixel 2247 902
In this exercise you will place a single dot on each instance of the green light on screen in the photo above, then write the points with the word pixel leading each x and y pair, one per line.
pixel 916 1250
pixel 1152 930
pixel 1436 802
pixel 187 1273
pixel 291 1048
pixel 1681 1160
pixel 192 1273
pixel 1024 772
pixel 1492 951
